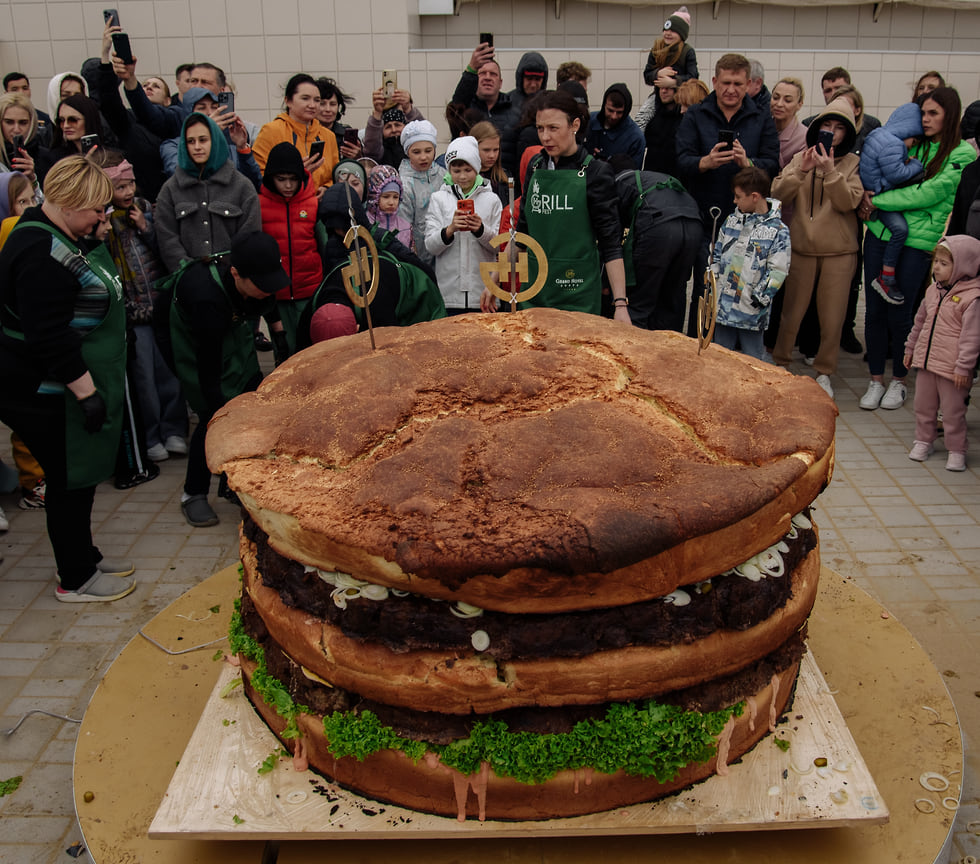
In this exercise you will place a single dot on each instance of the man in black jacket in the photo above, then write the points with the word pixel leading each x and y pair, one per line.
pixel 479 88
pixel 718 137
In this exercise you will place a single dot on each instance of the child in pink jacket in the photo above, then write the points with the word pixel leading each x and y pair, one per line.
pixel 943 347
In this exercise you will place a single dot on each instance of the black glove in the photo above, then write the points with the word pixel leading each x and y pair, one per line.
pixel 94 412
pixel 280 346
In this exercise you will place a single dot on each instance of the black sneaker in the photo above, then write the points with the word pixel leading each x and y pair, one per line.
pixel 151 472
pixel 886 287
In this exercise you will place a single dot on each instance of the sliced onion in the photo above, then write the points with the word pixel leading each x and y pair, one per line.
pixel 926 805
pixel 839 797
pixel 927 779
pixel 954 803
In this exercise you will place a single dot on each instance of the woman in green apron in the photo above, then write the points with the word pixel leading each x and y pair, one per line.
pixel 569 207
pixel 62 366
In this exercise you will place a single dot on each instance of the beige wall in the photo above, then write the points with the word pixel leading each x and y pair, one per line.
pixel 261 43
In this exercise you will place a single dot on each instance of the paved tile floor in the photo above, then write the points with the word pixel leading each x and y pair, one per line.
pixel 905 532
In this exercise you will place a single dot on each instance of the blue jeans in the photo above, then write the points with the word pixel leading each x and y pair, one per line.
pixel 894 222
pixel 750 341
pixel 884 320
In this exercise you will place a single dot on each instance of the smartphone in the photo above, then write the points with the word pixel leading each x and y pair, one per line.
pixel 226 97
pixel 466 205
pixel 488 38
pixel 825 138
pixel 89 141
pixel 726 137
pixel 351 137
pixel 111 17
pixel 316 148
pixel 389 83
pixel 18 142
pixel 120 44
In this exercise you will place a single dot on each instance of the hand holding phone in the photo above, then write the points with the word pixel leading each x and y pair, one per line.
pixel 726 137
pixel 111 17
pixel 825 139
pixel 316 150
pixel 227 99
pixel 18 142
pixel 389 84
pixel 486 39
pixel 88 142
pixel 120 45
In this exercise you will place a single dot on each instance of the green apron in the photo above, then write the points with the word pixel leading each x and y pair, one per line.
pixel 239 365
pixel 558 218
pixel 91 457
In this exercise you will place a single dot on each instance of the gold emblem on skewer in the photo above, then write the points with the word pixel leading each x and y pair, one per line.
pixel 512 263
pixel 361 270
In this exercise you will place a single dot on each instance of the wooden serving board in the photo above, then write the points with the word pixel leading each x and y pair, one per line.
pixel 217 793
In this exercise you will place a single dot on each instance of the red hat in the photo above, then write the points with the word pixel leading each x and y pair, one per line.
pixel 332 320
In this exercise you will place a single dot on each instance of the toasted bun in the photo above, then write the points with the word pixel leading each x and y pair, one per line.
pixel 430 786
pixel 475 683
pixel 538 461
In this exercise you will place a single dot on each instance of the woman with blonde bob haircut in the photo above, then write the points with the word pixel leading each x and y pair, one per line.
pixel 63 363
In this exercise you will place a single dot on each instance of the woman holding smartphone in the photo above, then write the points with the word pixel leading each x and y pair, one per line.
pixel 298 125
pixel 76 131
pixel 824 188
pixel 925 206
pixel 18 128
pixel 572 212
pixel 333 106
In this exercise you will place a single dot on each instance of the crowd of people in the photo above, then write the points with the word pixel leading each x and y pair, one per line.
pixel 147 233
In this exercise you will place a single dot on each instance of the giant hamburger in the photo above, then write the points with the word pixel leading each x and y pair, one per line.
pixel 522 566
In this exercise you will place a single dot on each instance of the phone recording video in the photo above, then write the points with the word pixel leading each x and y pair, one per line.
pixel 120 44
pixel 227 98
pixel 825 138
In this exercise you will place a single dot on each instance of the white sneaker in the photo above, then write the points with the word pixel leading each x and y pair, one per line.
pixel 956 461
pixel 4 524
pixel 176 445
pixel 894 396
pixel 809 360
pixel 920 451
pixel 872 396
pixel 157 453
pixel 824 382
pixel 101 588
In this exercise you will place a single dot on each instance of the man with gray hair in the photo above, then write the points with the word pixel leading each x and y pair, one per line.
pixel 757 85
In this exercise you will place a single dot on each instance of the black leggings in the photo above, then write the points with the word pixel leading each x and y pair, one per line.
pixel 40 422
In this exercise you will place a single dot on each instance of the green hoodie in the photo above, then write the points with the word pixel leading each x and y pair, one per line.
pixel 926 206
pixel 219 148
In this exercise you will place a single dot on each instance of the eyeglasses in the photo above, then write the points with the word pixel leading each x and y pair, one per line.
pixel 69 121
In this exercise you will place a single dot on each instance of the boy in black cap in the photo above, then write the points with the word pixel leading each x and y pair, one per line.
pixel 213 345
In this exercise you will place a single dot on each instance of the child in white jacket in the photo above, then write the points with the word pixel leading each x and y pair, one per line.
pixel 459 233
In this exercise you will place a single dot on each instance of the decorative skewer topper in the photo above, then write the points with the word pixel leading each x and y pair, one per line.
pixel 363 266
pixel 513 263
pixel 708 301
